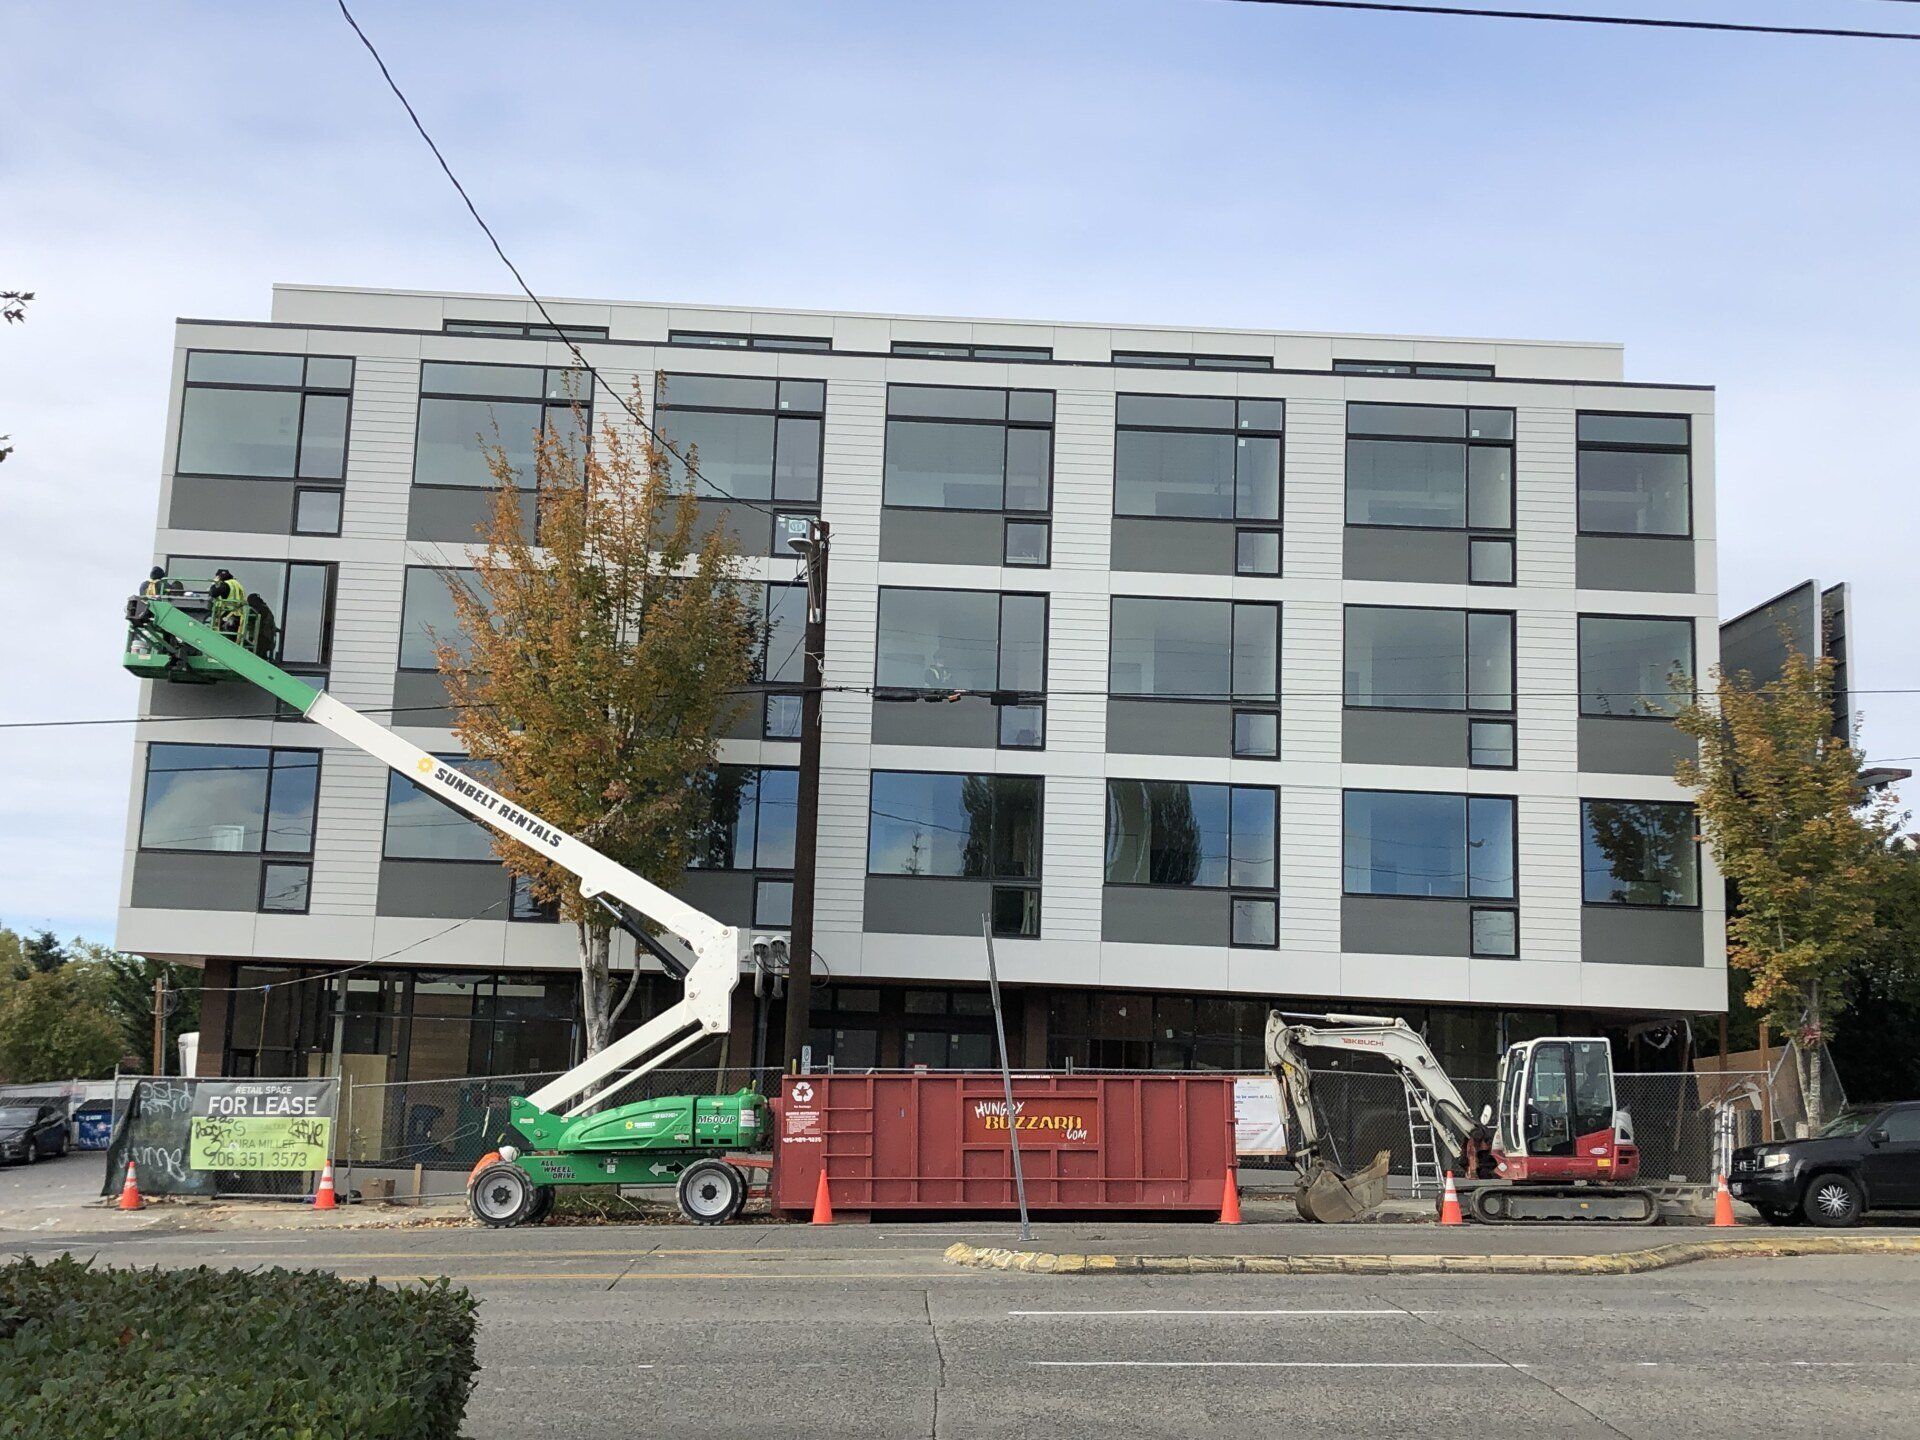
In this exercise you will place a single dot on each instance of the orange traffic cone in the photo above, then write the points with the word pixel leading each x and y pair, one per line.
pixel 1450 1204
pixel 1722 1203
pixel 323 1198
pixel 1229 1200
pixel 130 1192
pixel 822 1201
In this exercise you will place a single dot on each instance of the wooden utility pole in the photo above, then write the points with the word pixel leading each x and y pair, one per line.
pixel 807 810
pixel 160 1024
pixel 1766 1087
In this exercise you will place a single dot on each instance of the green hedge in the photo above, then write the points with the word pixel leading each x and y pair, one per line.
pixel 104 1354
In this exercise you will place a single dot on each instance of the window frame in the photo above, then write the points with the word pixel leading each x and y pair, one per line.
pixel 1699 872
pixel 1275 525
pixel 303 390
pixel 1580 447
pixel 1415 369
pixel 717 340
pixel 1228 887
pixel 399 660
pixel 1006 426
pixel 995 881
pixel 1039 697
pixel 1484 902
pixel 1467 443
pixel 1176 360
pixel 1006 354
pixel 1466 654
pixel 582 403
pixel 525 330
pixel 452 761
pixel 1229 697
pixel 772 872
pixel 330 568
pixel 262 854
pixel 1580 661
pixel 663 407
pixel 267 863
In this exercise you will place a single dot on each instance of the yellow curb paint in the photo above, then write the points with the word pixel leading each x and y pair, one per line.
pixel 1621 1262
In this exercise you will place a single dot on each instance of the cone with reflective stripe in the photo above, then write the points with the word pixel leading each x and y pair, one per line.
pixel 1722 1203
pixel 1450 1204
pixel 1230 1201
pixel 130 1192
pixel 323 1198
pixel 822 1201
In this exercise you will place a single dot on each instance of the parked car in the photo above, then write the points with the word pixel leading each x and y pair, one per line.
pixel 28 1132
pixel 1862 1160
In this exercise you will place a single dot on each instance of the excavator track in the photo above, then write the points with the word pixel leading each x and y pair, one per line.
pixel 1498 1204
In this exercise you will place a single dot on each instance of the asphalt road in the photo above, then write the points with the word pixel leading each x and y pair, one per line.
pixel 866 1332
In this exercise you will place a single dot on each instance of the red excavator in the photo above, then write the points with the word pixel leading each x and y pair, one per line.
pixel 1557 1149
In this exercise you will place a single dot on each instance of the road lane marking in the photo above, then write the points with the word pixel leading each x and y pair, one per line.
pixel 1274 1365
pixel 629 1278
pixel 1395 1311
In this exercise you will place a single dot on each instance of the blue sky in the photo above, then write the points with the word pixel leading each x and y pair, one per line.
pixel 1738 210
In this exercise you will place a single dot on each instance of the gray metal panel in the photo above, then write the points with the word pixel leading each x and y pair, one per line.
pixel 943 537
pixel 205 502
pixel 1621 745
pixel 223 700
pixel 455 515
pixel 1148 915
pixel 972 720
pixel 727 895
pixel 1624 935
pixel 443 889
pixel 1169 727
pixel 921 905
pixel 1634 562
pixel 1403 737
pixel 1757 641
pixel 420 698
pixel 1186 547
pixel 752 528
pixel 1402 925
pixel 750 721
pixel 1431 556
pixel 192 880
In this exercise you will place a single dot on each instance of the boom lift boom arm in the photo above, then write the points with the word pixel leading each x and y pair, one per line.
pixel 717 950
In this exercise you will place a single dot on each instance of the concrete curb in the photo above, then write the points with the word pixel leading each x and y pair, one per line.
pixel 1619 1262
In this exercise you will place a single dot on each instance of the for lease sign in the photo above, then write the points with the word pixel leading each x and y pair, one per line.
pixel 261 1125
pixel 1040 1120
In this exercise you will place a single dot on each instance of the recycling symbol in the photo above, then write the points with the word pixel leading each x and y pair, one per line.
pixel 802 1093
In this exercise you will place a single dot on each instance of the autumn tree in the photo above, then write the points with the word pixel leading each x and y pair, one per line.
pixel 1781 801
pixel 595 668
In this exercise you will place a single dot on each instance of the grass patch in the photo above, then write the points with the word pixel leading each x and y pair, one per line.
pixel 106 1354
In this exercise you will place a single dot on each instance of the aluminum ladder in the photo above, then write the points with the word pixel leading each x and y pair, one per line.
pixel 1423 1147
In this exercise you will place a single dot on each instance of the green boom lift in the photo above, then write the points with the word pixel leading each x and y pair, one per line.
pixel 570 1133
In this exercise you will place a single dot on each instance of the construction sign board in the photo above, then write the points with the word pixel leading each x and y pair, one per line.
pixel 1258 1126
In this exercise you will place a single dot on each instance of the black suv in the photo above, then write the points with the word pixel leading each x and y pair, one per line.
pixel 1862 1159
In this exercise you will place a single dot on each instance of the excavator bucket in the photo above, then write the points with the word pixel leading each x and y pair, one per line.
pixel 1328 1197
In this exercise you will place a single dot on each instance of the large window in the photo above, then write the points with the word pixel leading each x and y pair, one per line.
pixel 1635 474
pixel 422 826
pixel 299 593
pixel 1172 832
pixel 1400 842
pixel 951 448
pixel 1406 658
pixel 1197 457
pixel 1639 852
pixel 975 827
pixel 427 615
pixel 1430 466
pixel 1194 649
pixel 1639 665
pixel 751 823
pixel 270 417
pixel 230 799
pixel 469 411
pixel 749 438
pixel 977 641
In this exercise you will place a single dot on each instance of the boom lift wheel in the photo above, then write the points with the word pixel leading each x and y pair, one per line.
pixel 711 1192
pixel 501 1195
pixel 543 1198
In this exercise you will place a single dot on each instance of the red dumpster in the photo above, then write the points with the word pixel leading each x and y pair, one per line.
pixel 927 1141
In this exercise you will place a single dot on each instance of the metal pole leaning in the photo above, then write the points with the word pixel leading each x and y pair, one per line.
pixel 1006 1077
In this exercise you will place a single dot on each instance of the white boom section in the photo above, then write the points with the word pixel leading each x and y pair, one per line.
pixel 718 950
pixel 1393 1041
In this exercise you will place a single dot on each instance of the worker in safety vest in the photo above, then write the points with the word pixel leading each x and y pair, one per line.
pixel 229 598
pixel 154 577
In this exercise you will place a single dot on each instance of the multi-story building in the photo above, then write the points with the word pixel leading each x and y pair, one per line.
pixel 1326 668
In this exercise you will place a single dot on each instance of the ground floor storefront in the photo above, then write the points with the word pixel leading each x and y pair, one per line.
pixel 389 1025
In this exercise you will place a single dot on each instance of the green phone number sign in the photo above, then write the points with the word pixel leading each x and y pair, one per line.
pixel 258 1142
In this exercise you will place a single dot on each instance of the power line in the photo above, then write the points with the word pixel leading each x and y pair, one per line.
pixel 539 304
pixel 1567 17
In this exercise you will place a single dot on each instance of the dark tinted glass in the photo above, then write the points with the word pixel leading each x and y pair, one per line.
pixel 1186 474
pixel 457 438
pixel 727 392
pixel 426 615
pixel 205 797
pixel 732 452
pixel 1633 429
pixel 1639 853
pixel 1635 492
pixel 235 367
pixel 939 639
pixel 424 827
pixel 1167 832
pixel 501 381
pixel 1635 665
pixel 1434 421
pixel 1406 482
pixel 1405 659
pixel 1023 643
pixel 239 432
pixel 946 466
pixel 1405 843
pixel 946 402
pixel 1177 648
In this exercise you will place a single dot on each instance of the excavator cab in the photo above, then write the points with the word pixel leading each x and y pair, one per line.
pixel 1559 1118
pixel 154 653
